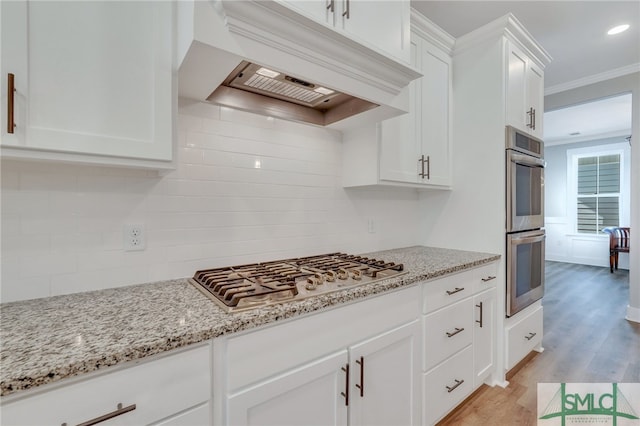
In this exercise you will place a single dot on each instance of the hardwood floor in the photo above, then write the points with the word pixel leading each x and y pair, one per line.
pixel 586 339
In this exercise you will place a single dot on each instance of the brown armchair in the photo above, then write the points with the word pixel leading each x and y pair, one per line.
pixel 618 243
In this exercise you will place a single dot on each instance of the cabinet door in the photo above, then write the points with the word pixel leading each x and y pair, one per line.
pixel 398 138
pixel 385 378
pixel 434 123
pixel 484 335
pixel 384 25
pixel 91 77
pixel 309 395
pixel 535 97
pixel 516 88
pixel 318 10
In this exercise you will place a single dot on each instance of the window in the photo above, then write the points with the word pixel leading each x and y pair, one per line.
pixel 598 194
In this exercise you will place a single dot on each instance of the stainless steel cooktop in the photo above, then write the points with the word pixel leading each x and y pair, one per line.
pixel 239 288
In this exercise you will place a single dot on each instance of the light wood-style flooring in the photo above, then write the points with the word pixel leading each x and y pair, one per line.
pixel 586 340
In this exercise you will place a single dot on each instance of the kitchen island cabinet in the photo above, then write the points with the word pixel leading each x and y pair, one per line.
pixel 413 149
pixel 85 92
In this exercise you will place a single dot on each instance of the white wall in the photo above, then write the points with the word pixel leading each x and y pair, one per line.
pixel 62 225
pixel 563 243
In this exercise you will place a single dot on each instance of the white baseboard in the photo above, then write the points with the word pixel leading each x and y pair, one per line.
pixel 633 314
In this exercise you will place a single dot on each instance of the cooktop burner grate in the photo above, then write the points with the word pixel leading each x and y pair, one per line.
pixel 243 287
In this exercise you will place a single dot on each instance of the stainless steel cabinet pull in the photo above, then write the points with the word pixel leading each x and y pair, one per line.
pixel 530 336
pixel 361 385
pixel 455 290
pixel 489 278
pixel 347 10
pixel 120 410
pixel 10 102
pixel 479 305
pixel 428 168
pixel 452 388
pixel 457 330
pixel 421 161
pixel 533 124
pixel 532 118
pixel 331 4
pixel 346 386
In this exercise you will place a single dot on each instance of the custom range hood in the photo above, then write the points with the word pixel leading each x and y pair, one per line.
pixel 263 57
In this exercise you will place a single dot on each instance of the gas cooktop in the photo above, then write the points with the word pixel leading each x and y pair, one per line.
pixel 239 288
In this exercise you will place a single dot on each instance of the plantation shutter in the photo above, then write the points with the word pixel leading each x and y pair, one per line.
pixel 598 192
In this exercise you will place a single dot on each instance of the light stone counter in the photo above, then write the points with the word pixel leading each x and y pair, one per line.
pixel 46 340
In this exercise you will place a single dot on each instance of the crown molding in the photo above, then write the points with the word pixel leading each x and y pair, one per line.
pixel 596 78
pixel 428 30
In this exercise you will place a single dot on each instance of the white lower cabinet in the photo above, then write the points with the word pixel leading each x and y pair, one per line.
pixel 447 385
pixel 484 335
pixel 174 389
pixel 309 394
pixel 459 329
pixel 356 365
pixel 523 334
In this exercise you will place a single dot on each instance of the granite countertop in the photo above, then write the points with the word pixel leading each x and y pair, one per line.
pixel 46 340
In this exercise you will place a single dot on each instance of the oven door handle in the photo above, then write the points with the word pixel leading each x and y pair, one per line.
pixel 527 160
pixel 528 239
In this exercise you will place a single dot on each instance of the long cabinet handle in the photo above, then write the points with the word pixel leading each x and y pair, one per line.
pixel 421 161
pixel 455 290
pixel 456 331
pixel 428 168
pixel 489 278
pixel 331 4
pixel 452 388
pixel 347 10
pixel 119 411
pixel 10 102
pixel 479 305
pixel 346 386
pixel 533 124
pixel 361 385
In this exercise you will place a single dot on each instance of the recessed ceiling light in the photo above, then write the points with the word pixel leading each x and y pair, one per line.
pixel 618 29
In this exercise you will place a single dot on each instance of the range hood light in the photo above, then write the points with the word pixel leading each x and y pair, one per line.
pixel 323 90
pixel 267 72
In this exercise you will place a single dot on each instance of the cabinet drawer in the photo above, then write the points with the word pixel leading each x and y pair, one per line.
pixel 447 331
pixel 448 384
pixel 485 277
pixel 523 336
pixel 158 388
pixel 444 291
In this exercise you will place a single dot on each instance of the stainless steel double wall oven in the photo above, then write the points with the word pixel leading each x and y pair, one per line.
pixel 525 235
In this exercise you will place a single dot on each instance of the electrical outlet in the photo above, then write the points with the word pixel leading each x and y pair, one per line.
pixel 371 225
pixel 133 237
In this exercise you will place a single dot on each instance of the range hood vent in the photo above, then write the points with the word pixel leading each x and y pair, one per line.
pixel 252 87
pixel 265 57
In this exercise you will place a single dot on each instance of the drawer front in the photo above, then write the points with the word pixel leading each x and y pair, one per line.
pixel 485 277
pixel 523 336
pixel 158 388
pixel 447 331
pixel 445 291
pixel 447 385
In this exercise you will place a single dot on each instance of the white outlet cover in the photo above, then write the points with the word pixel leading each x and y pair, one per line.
pixel 133 237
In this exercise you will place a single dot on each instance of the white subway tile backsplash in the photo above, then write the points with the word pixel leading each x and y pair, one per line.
pixel 246 188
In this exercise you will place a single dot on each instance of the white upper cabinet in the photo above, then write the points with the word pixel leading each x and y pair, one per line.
pixel 93 81
pixel 383 25
pixel 413 149
pixel 525 92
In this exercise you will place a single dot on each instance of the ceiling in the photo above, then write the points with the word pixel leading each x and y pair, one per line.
pixel 574 33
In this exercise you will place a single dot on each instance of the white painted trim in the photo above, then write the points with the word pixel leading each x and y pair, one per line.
pixel 633 314
pixel 596 78
pixel 428 30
